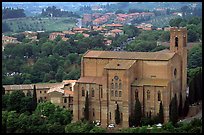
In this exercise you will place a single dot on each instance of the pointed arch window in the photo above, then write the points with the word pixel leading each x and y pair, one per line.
pixel 159 96
pixel 116 85
pixel 120 85
pixel 176 41
pixel 112 86
pixel 92 92
pixel 83 92
pixel 136 94
pixel 148 94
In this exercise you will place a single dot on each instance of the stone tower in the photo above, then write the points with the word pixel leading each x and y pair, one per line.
pixel 178 44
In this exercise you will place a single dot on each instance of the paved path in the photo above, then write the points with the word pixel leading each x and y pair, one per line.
pixel 199 115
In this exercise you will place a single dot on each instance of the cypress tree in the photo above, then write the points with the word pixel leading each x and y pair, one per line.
pixel 161 113
pixel 3 90
pixel 138 112
pixel 117 115
pixel 180 113
pixel 34 99
pixel 186 107
pixel 174 110
pixel 86 109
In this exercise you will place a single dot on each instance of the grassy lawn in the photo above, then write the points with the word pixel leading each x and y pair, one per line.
pixel 37 24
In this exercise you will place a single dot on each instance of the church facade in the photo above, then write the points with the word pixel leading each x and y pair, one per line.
pixel 112 78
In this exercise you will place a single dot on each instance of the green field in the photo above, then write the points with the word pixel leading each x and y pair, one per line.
pixel 39 24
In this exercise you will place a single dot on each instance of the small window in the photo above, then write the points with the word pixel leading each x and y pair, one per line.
pixel 65 100
pixel 120 86
pixel 136 94
pixel 44 97
pixel 40 91
pixel 63 106
pixel 83 92
pixel 112 93
pixel 116 85
pixel 101 93
pixel 92 92
pixel 93 112
pixel 120 93
pixel 116 77
pixel 110 115
pixel 176 42
pixel 184 41
pixel 175 72
pixel 159 96
pixel 112 86
pixel 45 91
pixel 116 93
pixel 148 95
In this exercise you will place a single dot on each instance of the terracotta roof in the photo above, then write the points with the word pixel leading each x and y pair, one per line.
pixel 69 81
pixel 30 86
pixel 152 82
pixel 57 33
pixel 7 37
pixel 129 55
pixel 114 25
pixel 57 88
pixel 85 35
pixel 120 64
pixel 68 92
pixel 80 29
pixel 89 79
pixel 116 31
pixel 68 32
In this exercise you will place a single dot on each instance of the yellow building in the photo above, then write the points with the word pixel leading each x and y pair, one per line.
pixel 113 78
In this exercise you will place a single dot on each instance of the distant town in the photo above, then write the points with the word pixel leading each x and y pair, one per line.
pixel 101 67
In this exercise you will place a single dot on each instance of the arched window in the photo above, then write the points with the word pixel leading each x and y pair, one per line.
pixel 93 112
pixel 176 41
pixel 148 95
pixel 120 86
pixel 116 93
pixel 112 93
pixel 101 92
pixel 112 86
pixel 83 92
pixel 116 85
pixel 175 72
pixel 120 93
pixel 184 41
pixel 136 94
pixel 159 96
pixel 92 92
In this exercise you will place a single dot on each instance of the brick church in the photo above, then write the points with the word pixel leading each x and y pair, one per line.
pixel 113 78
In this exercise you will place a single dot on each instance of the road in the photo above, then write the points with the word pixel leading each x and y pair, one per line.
pixel 198 116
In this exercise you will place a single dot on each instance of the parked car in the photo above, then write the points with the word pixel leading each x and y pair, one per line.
pixel 111 126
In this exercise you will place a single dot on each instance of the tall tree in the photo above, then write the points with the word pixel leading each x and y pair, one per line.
pixel 161 113
pixel 186 107
pixel 3 90
pixel 180 113
pixel 174 110
pixel 34 100
pixel 117 115
pixel 138 112
pixel 86 109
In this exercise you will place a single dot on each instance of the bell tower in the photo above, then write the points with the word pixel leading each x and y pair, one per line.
pixel 178 44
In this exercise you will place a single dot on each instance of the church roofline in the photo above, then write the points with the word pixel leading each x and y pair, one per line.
pixel 129 55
